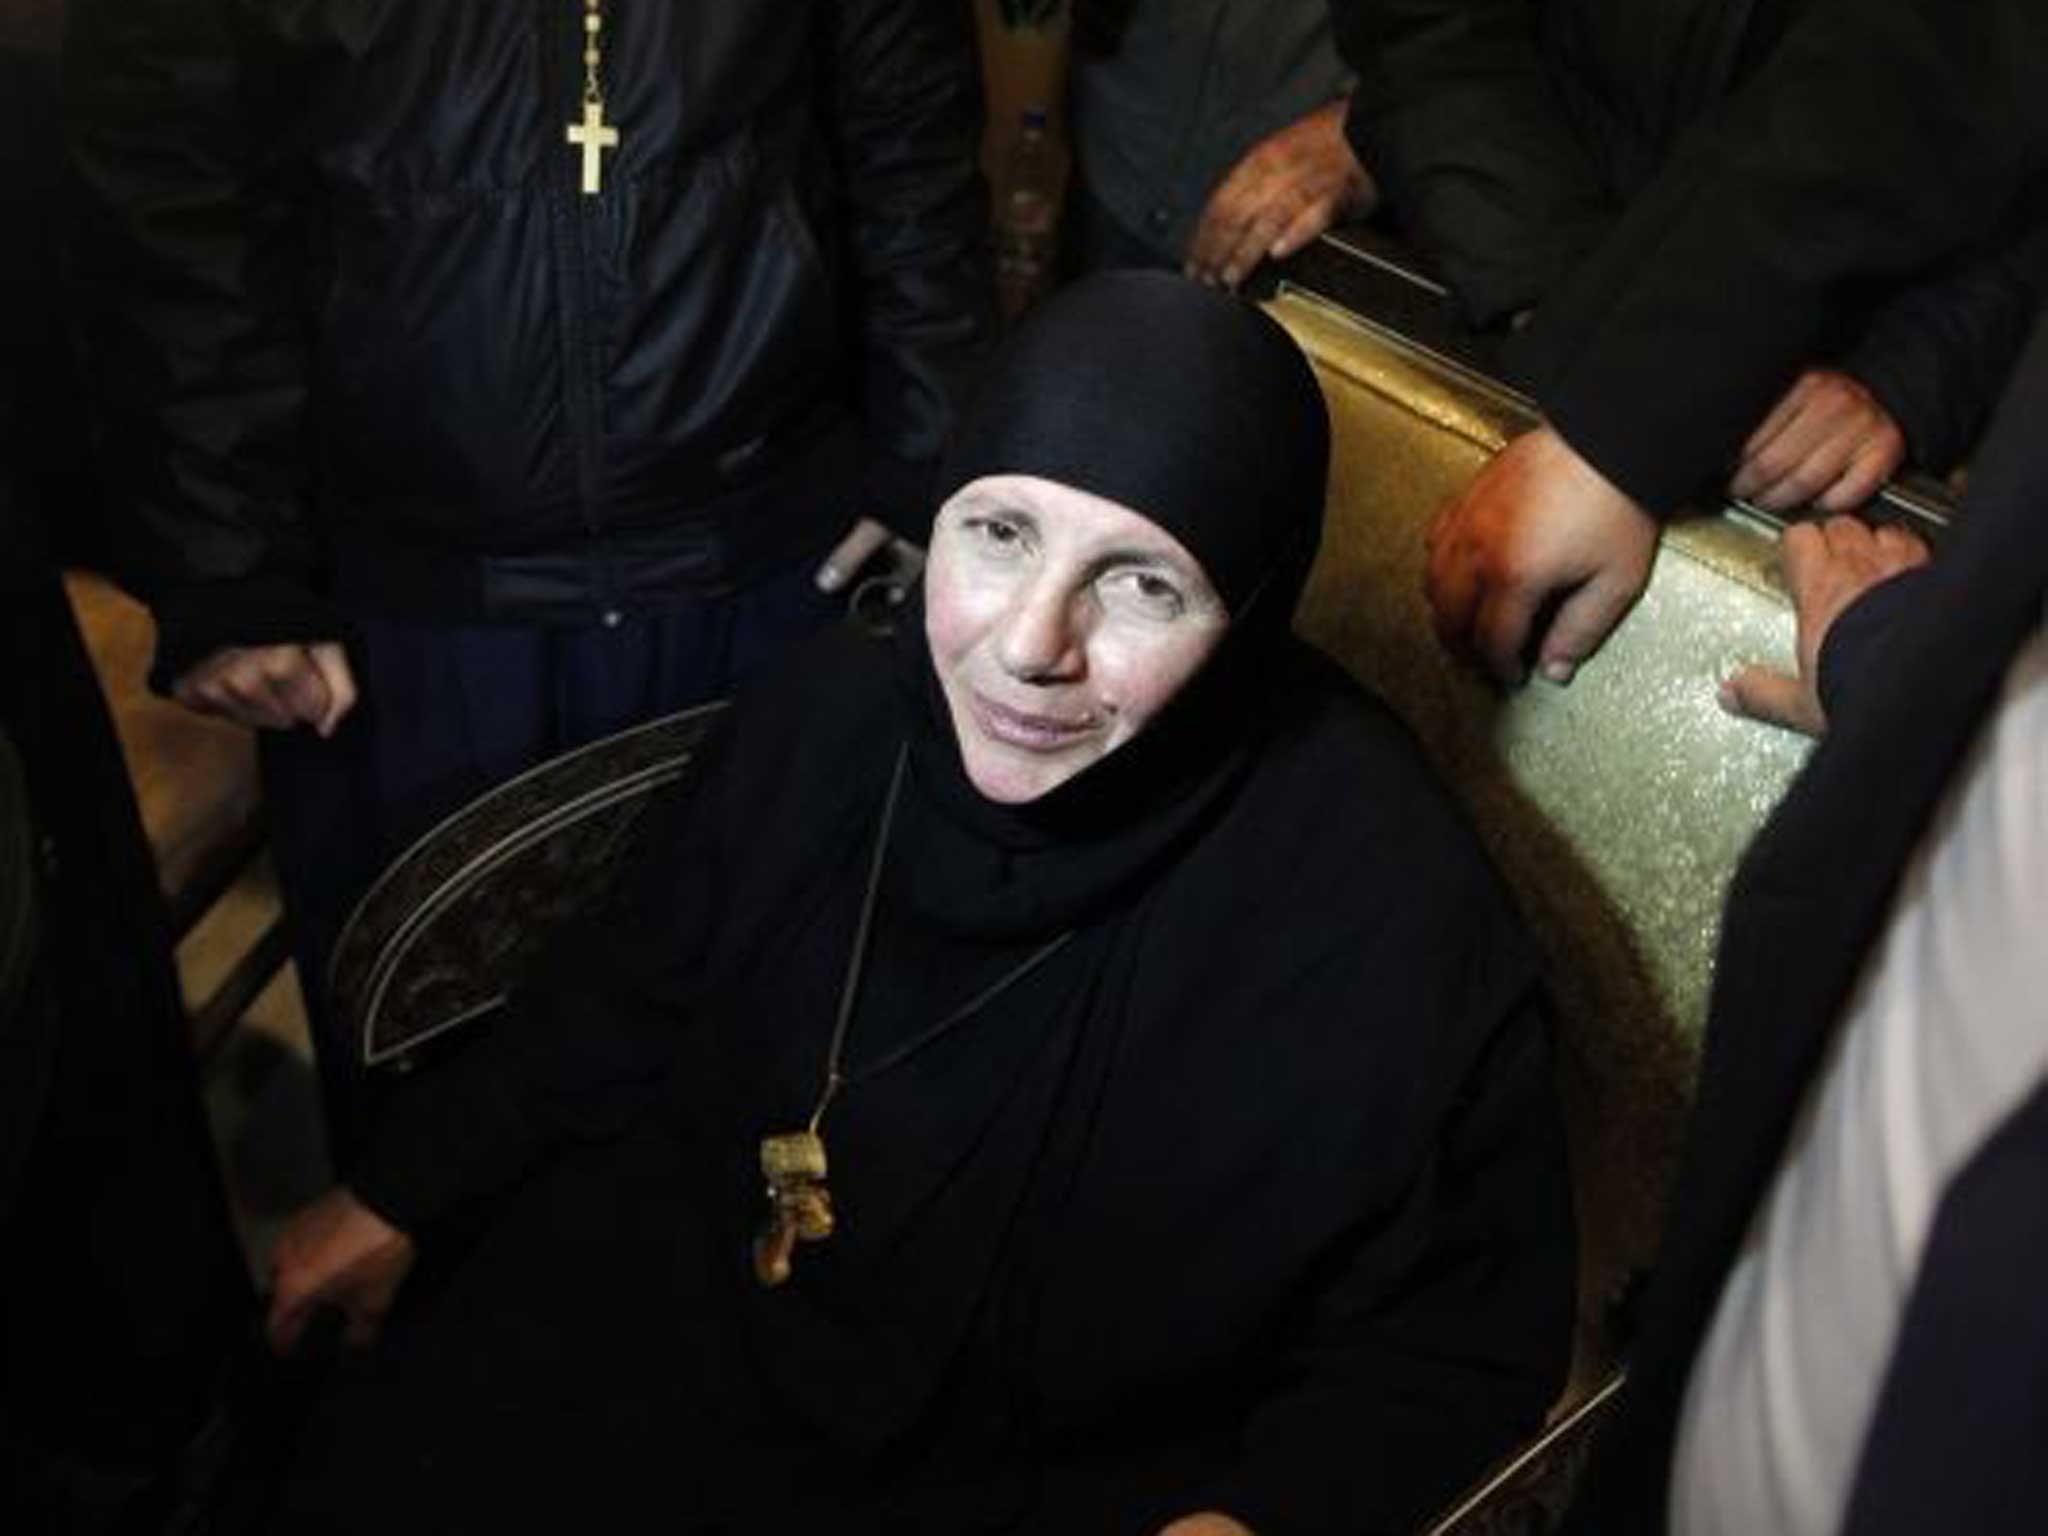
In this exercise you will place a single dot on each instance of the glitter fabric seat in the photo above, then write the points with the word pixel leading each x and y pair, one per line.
pixel 1617 807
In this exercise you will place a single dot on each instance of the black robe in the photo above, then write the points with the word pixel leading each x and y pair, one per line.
pixel 125 1295
pixel 1251 1197
pixel 1702 197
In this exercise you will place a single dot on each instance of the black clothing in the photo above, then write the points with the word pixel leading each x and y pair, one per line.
pixel 448 711
pixel 1250 1196
pixel 1911 671
pixel 1626 166
pixel 1172 1222
pixel 1162 111
pixel 344 291
pixel 124 1291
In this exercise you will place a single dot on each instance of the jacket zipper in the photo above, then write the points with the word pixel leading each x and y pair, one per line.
pixel 559 29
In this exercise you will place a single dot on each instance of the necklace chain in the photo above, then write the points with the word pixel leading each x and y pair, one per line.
pixel 837 1075
pixel 593 52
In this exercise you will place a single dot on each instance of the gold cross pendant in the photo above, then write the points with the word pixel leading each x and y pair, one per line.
pixel 799 1203
pixel 593 136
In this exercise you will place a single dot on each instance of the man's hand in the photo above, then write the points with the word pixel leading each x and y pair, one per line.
pixel 1827 567
pixel 1288 188
pixel 1206 1524
pixel 1827 443
pixel 339 1252
pixel 866 539
pixel 272 687
pixel 1540 526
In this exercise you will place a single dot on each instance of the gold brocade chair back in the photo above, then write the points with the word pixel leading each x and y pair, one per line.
pixel 1617 807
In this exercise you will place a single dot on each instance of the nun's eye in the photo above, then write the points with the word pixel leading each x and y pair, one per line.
pixel 996 535
pixel 1146 594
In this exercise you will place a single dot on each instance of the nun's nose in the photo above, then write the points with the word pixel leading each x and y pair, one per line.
pixel 1042 638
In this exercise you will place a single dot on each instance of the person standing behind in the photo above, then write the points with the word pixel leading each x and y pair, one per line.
pixel 1210 134
pixel 1816 209
pixel 1844 1334
pixel 125 1304
pixel 479 380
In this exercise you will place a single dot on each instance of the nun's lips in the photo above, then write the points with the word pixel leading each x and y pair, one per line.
pixel 1032 732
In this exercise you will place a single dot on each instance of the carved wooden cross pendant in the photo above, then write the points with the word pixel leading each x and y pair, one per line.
pixel 594 136
pixel 799 1203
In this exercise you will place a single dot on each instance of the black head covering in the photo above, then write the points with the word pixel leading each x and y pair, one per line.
pixel 1182 403
pixel 1196 410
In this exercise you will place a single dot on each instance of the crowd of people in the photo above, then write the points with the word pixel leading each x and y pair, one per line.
pixel 1063 1064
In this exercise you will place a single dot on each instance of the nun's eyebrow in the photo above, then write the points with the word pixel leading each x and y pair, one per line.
pixel 1157 559
pixel 988 504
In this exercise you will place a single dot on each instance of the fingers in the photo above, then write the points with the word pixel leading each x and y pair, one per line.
pixel 1286 190
pixel 1782 415
pixel 242 691
pixel 1827 443
pixel 271 687
pixel 1874 463
pixel 296 684
pixel 1803 459
pixel 330 662
pixel 1763 693
pixel 1828 565
pixel 1900 550
pixel 1583 622
pixel 1233 237
pixel 1308 222
pixel 1803 554
pixel 1256 238
pixel 852 552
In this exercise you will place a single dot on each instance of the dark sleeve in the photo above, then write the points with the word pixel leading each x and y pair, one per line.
pixel 1456 118
pixel 188 267
pixel 1847 656
pixel 1453 1337
pixel 907 117
pixel 1962 1417
pixel 586 1043
pixel 1937 353
pixel 1879 137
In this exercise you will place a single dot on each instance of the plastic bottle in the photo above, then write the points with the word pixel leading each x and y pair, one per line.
pixel 1027 214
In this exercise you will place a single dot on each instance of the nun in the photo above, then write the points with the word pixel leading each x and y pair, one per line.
pixel 1065 1068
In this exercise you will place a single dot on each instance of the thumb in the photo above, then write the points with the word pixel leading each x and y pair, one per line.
pixel 331 662
pixel 1776 698
pixel 1583 621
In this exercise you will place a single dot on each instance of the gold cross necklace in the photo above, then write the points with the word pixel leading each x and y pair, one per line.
pixel 793 1163
pixel 593 135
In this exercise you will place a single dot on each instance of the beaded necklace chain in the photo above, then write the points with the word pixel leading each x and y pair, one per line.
pixel 593 136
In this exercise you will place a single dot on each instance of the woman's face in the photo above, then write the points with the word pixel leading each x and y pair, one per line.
pixel 1059 623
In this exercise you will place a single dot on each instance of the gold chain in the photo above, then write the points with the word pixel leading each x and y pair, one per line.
pixel 593 52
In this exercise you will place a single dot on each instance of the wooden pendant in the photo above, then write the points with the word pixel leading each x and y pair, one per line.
pixel 799 1202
